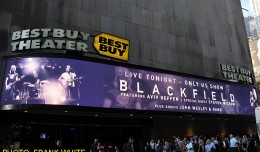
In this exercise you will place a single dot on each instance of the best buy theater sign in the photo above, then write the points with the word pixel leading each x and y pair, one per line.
pixel 60 39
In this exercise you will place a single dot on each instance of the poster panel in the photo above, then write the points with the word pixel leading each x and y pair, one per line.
pixel 61 81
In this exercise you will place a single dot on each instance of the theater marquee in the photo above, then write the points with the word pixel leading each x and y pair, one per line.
pixel 44 80
pixel 236 73
pixel 60 39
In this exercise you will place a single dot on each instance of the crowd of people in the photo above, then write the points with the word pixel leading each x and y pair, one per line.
pixel 224 143
pixel 230 143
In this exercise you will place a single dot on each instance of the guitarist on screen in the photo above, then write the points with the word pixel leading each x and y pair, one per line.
pixel 10 83
pixel 67 81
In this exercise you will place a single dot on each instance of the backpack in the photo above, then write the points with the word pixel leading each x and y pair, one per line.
pixel 213 149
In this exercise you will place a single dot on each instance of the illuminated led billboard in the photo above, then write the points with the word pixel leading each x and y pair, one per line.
pixel 60 81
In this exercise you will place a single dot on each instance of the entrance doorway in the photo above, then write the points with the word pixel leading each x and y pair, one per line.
pixel 32 130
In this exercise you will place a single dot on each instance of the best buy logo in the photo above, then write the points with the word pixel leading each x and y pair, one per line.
pixel 112 46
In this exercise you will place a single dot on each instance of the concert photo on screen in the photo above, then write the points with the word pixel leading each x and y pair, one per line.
pixel 61 81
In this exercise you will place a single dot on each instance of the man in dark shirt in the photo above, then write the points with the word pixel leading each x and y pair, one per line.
pixel 93 147
pixel 252 143
pixel 129 147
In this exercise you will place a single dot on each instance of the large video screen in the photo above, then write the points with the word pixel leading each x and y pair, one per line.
pixel 60 81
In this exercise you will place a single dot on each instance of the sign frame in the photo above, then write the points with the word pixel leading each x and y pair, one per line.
pixel 149 69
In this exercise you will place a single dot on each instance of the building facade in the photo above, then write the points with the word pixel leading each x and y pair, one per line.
pixel 182 31
pixel 248 16
pixel 256 12
pixel 187 38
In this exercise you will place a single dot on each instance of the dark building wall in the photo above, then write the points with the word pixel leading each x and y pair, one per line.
pixel 185 36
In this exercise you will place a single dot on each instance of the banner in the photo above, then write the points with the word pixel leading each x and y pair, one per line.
pixel 254 45
pixel 257 118
pixel 60 81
